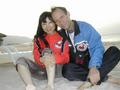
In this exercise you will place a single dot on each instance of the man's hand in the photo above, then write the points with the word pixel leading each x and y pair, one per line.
pixel 94 75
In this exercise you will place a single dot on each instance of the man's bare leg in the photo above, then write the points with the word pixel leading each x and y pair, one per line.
pixel 113 80
pixel 84 85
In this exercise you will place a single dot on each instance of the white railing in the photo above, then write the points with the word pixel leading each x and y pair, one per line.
pixel 12 53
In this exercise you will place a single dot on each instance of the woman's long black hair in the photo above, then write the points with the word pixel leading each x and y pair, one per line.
pixel 40 33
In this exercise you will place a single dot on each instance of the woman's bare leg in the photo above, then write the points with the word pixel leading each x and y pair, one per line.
pixel 26 77
pixel 49 62
pixel 51 76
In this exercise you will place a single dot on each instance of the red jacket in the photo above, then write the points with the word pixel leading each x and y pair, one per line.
pixel 55 43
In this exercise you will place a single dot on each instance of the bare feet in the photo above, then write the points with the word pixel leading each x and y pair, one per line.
pixel 85 85
pixel 48 87
pixel 114 80
pixel 30 87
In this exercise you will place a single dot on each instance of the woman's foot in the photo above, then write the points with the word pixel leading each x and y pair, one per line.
pixel 48 87
pixel 85 85
pixel 30 87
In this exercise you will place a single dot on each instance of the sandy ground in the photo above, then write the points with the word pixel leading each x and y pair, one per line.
pixel 10 80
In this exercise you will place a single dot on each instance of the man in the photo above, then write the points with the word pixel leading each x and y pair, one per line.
pixel 88 62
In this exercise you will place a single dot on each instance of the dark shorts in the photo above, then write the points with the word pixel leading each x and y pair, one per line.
pixel 35 70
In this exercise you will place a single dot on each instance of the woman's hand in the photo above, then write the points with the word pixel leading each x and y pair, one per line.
pixel 48 59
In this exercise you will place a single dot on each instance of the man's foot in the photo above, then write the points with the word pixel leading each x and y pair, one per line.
pixel 114 80
pixel 86 84
pixel 30 87
pixel 48 87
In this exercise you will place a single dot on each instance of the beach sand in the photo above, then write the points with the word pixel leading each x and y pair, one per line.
pixel 10 80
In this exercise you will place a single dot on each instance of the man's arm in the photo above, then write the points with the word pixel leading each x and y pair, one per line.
pixel 96 50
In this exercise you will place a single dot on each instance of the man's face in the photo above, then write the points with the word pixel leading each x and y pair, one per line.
pixel 61 18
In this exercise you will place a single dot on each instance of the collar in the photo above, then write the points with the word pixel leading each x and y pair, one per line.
pixel 76 27
pixel 51 35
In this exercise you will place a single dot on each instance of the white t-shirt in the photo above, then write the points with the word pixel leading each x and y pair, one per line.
pixel 71 35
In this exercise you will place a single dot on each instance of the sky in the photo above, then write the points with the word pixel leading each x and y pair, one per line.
pixel 20 17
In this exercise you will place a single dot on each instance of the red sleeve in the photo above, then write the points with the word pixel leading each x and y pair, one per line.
pixel 63 57
pixel 36 54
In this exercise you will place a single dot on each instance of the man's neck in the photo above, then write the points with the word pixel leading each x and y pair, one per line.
pixel 71 27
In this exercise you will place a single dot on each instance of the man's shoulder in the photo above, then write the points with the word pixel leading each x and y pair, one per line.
pixel 82 23
pixel 85 26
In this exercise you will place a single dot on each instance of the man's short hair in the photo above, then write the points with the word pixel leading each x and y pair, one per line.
pixel 61 8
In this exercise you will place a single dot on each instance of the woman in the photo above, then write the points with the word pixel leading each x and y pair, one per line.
pixel 49 49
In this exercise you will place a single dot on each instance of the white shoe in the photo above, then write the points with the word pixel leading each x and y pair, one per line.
pixel 85 85
pixel 30 87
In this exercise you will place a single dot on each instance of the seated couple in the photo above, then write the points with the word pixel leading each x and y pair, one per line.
pixel 77 46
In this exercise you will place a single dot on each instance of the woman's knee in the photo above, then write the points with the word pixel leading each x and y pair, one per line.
pixel 21 61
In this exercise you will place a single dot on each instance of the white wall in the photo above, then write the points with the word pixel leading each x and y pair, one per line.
pixel 20 17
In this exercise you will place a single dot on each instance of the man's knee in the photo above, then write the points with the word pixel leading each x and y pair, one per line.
pixel 114 49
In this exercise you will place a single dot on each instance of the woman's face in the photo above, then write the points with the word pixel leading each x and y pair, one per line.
pixel 48 26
